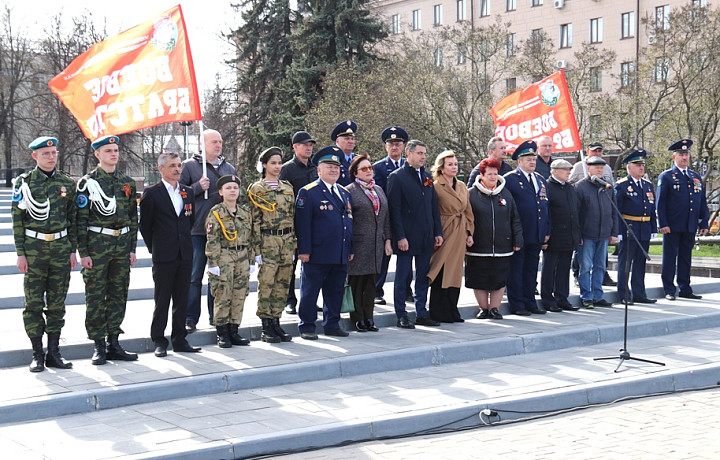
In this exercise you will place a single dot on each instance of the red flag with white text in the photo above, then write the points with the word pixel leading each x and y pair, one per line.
pixel 140 78
pixel 543 108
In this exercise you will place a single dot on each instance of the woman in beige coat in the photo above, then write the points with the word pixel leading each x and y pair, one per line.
pixel 446 264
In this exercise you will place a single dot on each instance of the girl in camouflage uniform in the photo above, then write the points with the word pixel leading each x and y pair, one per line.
pixel 273 209
pixel 229 250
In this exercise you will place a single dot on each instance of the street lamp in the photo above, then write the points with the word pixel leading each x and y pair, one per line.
pixel 186 124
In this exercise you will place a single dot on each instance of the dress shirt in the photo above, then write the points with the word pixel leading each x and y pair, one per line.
pixel 174 193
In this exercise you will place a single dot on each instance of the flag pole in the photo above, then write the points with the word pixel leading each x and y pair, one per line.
pixel 202 154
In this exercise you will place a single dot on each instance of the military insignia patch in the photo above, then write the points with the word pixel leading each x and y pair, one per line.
pixel 81 201
pixel 17 195
pixel 63 192
pixel 209 228
pixel 300 202
pixel 126 190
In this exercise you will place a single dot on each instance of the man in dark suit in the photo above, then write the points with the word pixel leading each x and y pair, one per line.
pixel 529 190
pixel 416 228
pixel 682 211
pixel 394 138
pixel 166 218
pixel 344 137
pixel 324 230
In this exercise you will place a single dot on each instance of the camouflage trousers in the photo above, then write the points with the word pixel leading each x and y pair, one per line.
pixel 106 284
pixel 230 288
pixel 274 274
pixel 46 284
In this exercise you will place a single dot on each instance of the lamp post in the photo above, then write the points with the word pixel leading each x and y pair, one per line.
pixel 186 124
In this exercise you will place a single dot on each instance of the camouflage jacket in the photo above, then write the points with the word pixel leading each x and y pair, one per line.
pixel 122 187
pixel 219 239
pixel 282 201
pixel 59 189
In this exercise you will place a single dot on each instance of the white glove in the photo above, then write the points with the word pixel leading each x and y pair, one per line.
pixel 653 236
pixel 252 269
pixel 619 238
pixel 258 260
pixel 214 271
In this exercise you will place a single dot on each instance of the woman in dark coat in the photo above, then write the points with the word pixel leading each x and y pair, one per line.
pixel 497 234
pixel 371 230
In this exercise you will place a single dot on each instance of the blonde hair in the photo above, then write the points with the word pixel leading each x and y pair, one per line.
pixel 440 162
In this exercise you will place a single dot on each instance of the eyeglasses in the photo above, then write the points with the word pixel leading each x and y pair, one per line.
pixel 365 168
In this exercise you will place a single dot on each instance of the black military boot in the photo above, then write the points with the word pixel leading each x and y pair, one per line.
pixel 284 336
pixel 223 336
pixel 38 361
pixel 116 351
pixel 99 357
pixel 53 358
pixel 235 337
pixel 268 331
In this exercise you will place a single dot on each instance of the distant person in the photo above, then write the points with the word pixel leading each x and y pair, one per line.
pixel 446 264
pixel 544 156
pixel 192 176
pixel 496 150
pixel 682 211
pixel 344 137
pixel 43 219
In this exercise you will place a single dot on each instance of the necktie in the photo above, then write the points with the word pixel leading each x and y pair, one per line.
pixel 531 182
pixel 686 174
pixel 338 199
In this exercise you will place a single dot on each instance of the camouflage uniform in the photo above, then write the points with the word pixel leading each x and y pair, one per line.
pixel 106 284
pixel 233 258
pixel 277 244
pixel 48 277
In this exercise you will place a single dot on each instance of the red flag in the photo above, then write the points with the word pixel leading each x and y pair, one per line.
pixel 143 77
pixel 543 108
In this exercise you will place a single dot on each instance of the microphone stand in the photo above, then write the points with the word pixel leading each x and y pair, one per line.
pixel 624 353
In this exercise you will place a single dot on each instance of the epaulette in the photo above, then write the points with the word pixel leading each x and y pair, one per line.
pixel 342 187
pixel 649 182
pixel 620 181
pixel 310 185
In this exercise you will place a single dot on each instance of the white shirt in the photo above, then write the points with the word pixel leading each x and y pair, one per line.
pixel 175 196
pixel 330 187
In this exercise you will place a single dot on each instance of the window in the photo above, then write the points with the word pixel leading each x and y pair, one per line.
pixel 662 17
pixel 627 74
pixel 536 2
pixel 484 8
pixel 596 30
pixel 594 125
pixel 699 3
pixel 565 35
pixel 437 15
pixel 395 24
pixel 510 85
pixel 627 25
pixel 595 76
pixel 535 34
pixel 461 56
pixel 511 45
pixel 661 69
pixel 415 24
pixel 460 6
pixel 438 57
pixel 510 5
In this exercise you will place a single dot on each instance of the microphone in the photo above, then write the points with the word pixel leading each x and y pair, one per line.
pixel 599 182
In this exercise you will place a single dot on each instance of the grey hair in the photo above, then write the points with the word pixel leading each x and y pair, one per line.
pixel 493 140
pixel 410 147
pixel 165 156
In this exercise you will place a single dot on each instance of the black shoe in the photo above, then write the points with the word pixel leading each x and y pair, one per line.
pixel 602 303
pixel 405 323
pixel 280 332
pixel 38 361
pixel 690 295
pixel 336 333
pixel 268 334
pixel 53 358
pixel 426 321
pixel 290 308
pixel 607 281
pixel 99 356
pixel 669 297
pixel 587 304
pixel 360 326
pixel 410 299
pixel 537 311
pixel 495 314
pixel 644 300
pixel 569 307
pixel 379 301
pixel 522 312
pixel 484 314
pixel 185 348
pixel 223 336
pixel 115 351
pixel 308 336
pixel 553 308
pixel 161 351
pixel 235 337
pixel 318 308
pixel 370 325
pixel 575 281
pixel 190 327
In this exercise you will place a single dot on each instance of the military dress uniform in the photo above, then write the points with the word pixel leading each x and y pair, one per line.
pixel 273 212
pixel 107 232
pixel 344 128
pixel 230 247
pixel 636 203
pixel 533 207
pixel 682 206
pixel 44 217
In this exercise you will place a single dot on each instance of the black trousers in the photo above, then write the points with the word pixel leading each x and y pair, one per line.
pixel 172 282
pixel 555 278
pixel 363 289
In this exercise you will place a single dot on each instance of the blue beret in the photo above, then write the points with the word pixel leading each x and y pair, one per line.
pixel 637 156
pixel 105 140
pixel 525 149
pixel 329 154
pixel 682 146
pixel 227 178
pixel 394 134
pixel 344 128
pixel 41 142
